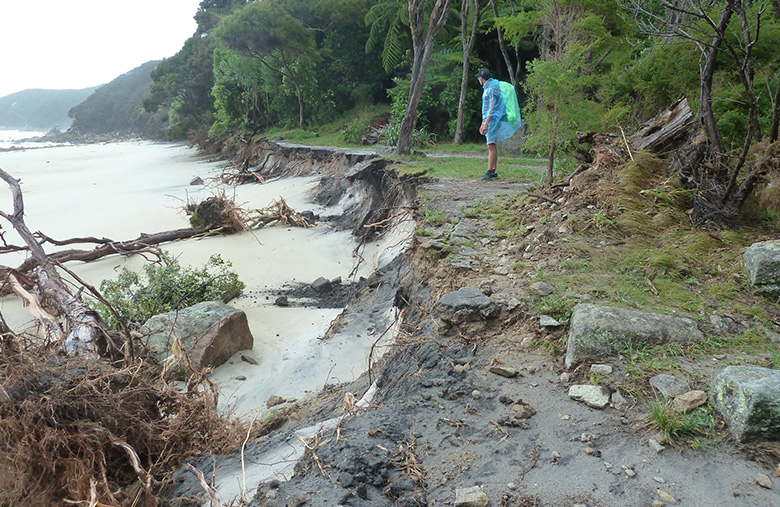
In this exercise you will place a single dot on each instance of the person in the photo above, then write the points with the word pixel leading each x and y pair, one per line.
pixel 495 124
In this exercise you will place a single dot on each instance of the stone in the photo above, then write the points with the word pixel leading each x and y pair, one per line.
pixel 503 371
pixel 668 385
pixel 523 411
pixel 274 400
pixel 630 473
pixel 658 503
pixel 601 369
pixel 762 262
pixel 666 497
pixel 748 399
pixel 596 331
pixel 654 445
pixel 547 321
pixel 282 301
pixel 541 289
pixel 249 359
pixel 565 377
pixel 690 401
pixel 466 304
pixel 211 332
pixel 512 304
pixel 526 342
pixel 471 497
pixel 322 285
pixel 197 180
pixel 592 396
pixel 463 232
pixel 764 481
pixel 618 401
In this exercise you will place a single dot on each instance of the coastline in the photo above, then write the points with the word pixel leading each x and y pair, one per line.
pixel 121 190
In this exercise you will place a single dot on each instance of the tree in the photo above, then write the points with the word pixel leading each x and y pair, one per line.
pixel 467 40
pixel 268 33
pixel 422 48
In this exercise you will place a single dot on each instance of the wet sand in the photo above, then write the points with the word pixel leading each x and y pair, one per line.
pixel 124 189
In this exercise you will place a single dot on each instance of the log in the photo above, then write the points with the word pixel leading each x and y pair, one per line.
pixel 85 327
pixel 666 131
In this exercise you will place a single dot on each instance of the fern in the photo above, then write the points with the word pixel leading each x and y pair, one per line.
pixel 388 18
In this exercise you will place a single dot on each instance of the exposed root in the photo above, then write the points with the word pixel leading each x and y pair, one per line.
pixel 84 432
pixel 279 211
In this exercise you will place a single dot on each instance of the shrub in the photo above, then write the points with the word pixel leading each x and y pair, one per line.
pixel 164 287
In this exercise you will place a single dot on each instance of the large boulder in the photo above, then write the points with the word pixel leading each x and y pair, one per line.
pixel 466 304
pixel 210 332
pixel 762 261
pixel 748 398
pixel 597 331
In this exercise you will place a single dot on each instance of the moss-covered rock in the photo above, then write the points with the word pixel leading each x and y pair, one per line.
pixel 748 398
pixel 597 331
pixel 762 261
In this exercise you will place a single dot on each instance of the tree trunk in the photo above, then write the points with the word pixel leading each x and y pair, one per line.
pixel 84 325
pixel 707 72
pixel 502 44
pixel 467 42
pixel 553 140
pixel 421 51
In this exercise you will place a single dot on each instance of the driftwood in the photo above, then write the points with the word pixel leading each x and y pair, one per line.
pixel 84 326
pixel 666 131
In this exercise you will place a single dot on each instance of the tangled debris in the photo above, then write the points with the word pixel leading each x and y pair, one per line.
pixel 79 431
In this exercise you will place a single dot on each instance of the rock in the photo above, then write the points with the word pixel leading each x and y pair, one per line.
pixel 592 396
pixel 282 301
pixel 658 503
pixel 565 377
pixel 601 369
pixel 309 216
pixel 211 332
pixel 523 412
pixel 668 385
pixel 762 262
pixel 322 285
pixel 690 401
pixel 463 232
pixel 274 400
pixel 764 481
pixel 547 321
pixel 197 180
pixel 503 371
pixel 506 400
pixel 596 331
pixel 618 401
pixel 249 359
pixel 526 342
pixel 748 398
pixel 541 288
pixel 512 304
pixel 666 497
pixel 466 304
pixel 471 497
pixel 630 473
pixel 654 445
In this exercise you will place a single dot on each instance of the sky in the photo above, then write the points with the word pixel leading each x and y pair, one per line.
pixel 74 44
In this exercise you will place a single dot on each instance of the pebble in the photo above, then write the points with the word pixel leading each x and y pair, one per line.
pixel 630 473
pixel 659 480
pixel 503 371
pixel 601 369
pixel 511 486
pixel 658 503
pixel 589 451
pixel 274 400
pixel 459 368
pixel 240 377
pixel 565 376
pixel 654 445
pixel 666 497
pixel 764 481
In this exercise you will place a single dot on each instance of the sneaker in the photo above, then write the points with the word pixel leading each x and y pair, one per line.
pixel 490 175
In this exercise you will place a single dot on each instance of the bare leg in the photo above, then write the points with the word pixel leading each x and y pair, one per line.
pixel 492 157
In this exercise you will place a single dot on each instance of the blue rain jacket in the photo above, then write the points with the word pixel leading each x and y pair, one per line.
pixel 493 106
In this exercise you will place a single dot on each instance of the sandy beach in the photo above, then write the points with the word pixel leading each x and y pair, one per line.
pixel 122 190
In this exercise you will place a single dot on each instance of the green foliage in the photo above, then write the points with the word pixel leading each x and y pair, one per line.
pixel 40 109
pixel 164 287
pixel 116 107
pixel 391 18
pixel 678 426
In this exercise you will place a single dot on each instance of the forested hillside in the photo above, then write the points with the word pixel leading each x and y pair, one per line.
pixel 40 109
pixel 116 108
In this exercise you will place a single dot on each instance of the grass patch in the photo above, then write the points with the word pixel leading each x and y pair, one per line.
pixel 510 170
pixel 693 428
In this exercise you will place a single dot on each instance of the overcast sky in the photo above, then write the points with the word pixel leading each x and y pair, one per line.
pixel 73 44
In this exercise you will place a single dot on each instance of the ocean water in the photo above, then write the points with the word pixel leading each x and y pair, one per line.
pixel 14 139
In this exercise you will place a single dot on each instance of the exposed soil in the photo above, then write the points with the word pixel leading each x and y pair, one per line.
pixel 441 421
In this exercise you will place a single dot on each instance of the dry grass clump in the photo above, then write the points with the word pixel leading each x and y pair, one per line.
pixel 74 431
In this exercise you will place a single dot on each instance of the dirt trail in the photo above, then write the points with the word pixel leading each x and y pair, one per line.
pixel 442 422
